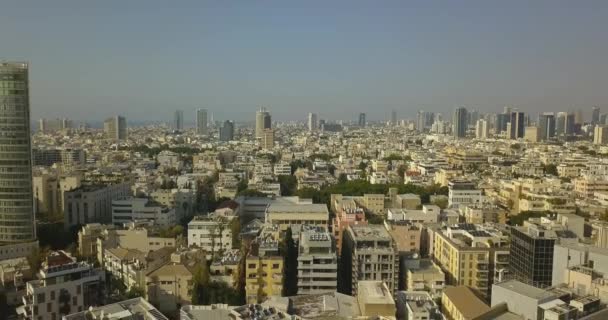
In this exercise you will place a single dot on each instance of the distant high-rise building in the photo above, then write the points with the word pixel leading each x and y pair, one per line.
pixel 600 134
pixel 481 129
pixel 394 118
pixel 227 131
pixel 560 123
pixel 267 142
pixel 362 120
pixel 546 126
pixel 178 120
pixel 47 126
pixel 506 110
pixel 570 124
pixel 578 117
pixel 501 122
pixel 115 128
pixel 517 125
pixel 595 115
pixel 16 199
pixel 262 121
pixel 532 134
pixel 312 122
pixel 459 122
pixel 201 121
pixel 473 116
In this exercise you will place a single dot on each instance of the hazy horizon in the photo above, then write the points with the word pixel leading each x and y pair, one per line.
pixel 145 59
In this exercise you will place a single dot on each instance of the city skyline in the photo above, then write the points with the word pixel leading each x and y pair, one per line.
pixel 398 56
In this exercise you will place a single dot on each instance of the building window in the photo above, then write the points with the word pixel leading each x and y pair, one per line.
pixel 40 298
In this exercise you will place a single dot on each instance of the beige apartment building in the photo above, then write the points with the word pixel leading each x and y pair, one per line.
pixel 472 255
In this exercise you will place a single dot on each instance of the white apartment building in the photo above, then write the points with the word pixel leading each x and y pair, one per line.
pixel 210 234
pixel 317 262
pixel 282 169
pixel 64 286
pixel 92 203
pixel 141 209
pixel 463 192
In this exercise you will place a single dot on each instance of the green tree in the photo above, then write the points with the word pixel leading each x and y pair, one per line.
pixel 551 169
pixel 135 292
pixel 200 281
pixel 289 251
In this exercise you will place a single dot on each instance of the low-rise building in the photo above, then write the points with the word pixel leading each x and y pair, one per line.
pixel 131 209
pixel 426 276
pixel 285 215
pixel 213 235
pixel 64 286
pixel 92 203
pixel 463 192
pixel 137 308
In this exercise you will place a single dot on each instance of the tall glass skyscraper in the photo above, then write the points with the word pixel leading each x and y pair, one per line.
pixel 459 122
pixel 16 201
pixel 201 121
pixel 262 121
pixel 178 121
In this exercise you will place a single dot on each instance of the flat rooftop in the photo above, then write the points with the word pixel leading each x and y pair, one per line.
pixel 297 208
pixel 375 292
pixel 524 289
pixel 370 232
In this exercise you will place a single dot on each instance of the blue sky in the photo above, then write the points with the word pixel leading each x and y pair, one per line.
pixel 144 59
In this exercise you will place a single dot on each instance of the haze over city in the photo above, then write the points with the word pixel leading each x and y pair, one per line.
pixel 145 59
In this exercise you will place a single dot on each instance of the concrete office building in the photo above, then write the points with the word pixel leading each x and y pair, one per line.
pixel 115 128
pixel 92 203
pixel 178 120
pixel 210 234
pixel 267 139
pixel 368 253
pixel 128 209
pixel 462 193
pixel 568 255
pixel 317 262
pixel 286 214
pixel 16 200
pixel 201 121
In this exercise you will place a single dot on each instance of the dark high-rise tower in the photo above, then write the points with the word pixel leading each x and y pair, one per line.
pixel 595 115
pixel 201 121
pixel 16 201
pixel 178 120
pixel 546 124
pixel 362 120
pixel 518 125
pixel 227 131
pixel 459 122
